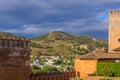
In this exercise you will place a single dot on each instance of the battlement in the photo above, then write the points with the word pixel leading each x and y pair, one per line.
pixel 8 42
pixel 14 58
pixel 114 12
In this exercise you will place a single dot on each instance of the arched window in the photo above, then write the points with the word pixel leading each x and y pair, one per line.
pixel 78 74
pixel 119 40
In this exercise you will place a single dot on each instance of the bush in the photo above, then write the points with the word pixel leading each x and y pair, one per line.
pixel 50 69
pixel 32 70
pixel 108 69
pixel 36 45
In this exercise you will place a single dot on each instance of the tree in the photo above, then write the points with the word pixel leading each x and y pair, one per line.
pixel 31 70
pixel 50 69
pixel 35 70
pixel 58 62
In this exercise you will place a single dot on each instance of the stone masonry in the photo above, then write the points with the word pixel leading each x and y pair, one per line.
pixel 14 59
pixel 114 31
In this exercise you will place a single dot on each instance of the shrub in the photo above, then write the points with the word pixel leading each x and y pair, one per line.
pixel 108 69
pixel 50 69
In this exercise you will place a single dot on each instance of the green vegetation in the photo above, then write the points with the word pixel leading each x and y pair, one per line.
pixel 58 42
pixel 35 69
pixel 56 64
pixel 50 69
pixel 108 69
pixel 62 43
pixel 34 44
pixel 46 69
pixel 8 34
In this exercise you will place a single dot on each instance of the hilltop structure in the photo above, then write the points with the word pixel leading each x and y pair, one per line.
pixel 87 64
pixel 14 58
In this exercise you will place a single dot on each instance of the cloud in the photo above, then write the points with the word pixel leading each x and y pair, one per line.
pixel 37 17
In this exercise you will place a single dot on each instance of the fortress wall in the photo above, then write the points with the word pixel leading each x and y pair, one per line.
pixel 71 75
pixel 14 59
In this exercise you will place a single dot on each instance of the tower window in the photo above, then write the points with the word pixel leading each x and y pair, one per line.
pixel 119 40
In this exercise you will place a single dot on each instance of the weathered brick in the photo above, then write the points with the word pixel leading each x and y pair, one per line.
pixel 14 59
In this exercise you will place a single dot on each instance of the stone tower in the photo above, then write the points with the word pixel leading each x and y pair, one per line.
pixel 14 59
pixel 114 31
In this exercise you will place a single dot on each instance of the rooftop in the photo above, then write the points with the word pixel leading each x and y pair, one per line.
pixel 117 49
pixel 101 56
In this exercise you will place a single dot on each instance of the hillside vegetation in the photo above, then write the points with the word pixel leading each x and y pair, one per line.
pixel 7 34
pixel 108 69
pixel 58 43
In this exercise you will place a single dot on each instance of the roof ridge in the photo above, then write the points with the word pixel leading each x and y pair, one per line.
pixel 96 55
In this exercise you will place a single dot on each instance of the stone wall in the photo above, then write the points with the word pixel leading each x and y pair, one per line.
pixel 14 59
pixel 54 76
pixel 114 30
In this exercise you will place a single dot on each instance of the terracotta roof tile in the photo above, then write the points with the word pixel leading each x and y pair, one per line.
pixel 101 56
pixel 117 49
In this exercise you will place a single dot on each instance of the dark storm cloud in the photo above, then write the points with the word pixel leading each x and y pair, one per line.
pixel 37 17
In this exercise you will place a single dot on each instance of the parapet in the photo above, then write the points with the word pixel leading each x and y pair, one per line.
pixel 114 12
pixel 14 58
pixel 14 42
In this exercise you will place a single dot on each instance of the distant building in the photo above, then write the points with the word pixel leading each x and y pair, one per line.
pixel 84 46
pixel 55 58
pixel 99 50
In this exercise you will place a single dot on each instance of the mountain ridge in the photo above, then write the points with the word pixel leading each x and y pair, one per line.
pixel 6 34
pixel 59 42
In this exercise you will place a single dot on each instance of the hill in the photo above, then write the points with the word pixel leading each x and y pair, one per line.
pixel 7 34
pixel 57 43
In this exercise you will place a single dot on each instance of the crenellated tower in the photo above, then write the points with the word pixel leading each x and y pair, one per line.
pixel 14 58
pixel 114 31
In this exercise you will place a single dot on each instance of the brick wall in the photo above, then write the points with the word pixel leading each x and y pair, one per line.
pixel 54 76
pixel 14 59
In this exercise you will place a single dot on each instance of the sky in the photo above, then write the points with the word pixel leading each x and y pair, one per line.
pixel 31 18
